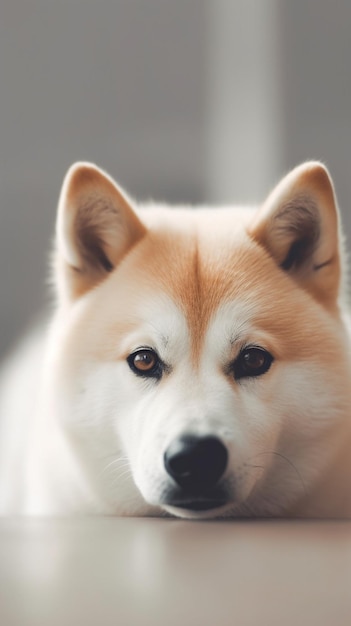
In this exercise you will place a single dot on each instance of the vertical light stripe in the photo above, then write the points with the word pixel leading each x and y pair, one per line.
pixel 244 138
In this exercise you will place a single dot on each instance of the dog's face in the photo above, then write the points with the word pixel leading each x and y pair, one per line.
pixel 200 368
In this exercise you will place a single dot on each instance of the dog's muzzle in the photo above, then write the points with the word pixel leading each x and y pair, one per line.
pixel 196 465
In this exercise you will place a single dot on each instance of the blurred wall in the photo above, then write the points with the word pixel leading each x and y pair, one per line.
pixel 315 81
pixel 117 82
pixel 187 100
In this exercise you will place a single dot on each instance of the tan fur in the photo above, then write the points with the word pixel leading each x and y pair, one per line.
pixel 93 213
pixel 310 187
pixel 203 278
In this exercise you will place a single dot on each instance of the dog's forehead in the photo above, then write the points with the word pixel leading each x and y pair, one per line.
pixel 196 290
pixel 191 286
pixel 203 267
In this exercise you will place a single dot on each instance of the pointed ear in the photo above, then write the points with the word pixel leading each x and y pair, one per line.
pixel 95 227
pixel 298 226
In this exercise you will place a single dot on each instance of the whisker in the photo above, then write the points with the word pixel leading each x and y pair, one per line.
pixel 121 479
pixel 116 463
pixel 290 463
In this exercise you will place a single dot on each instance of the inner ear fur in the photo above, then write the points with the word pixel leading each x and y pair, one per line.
pixel 96 226
pixel 298 225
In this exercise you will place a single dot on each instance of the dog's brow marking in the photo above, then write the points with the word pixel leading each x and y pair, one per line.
pixel 325 264
pixel 236 339
pixel 208 282
pixel 202 300
pixel 197 306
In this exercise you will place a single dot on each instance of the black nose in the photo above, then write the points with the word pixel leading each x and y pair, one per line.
pixel 196 463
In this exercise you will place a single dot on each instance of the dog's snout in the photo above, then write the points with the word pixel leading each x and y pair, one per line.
pixel 196 463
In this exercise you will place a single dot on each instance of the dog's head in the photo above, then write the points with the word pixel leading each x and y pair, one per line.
pixel 200 367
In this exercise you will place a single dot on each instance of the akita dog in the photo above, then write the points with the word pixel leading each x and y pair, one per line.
pixel 197 364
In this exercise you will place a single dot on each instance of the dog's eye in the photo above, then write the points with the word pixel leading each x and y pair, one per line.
pixel 252 362
pixel 145 362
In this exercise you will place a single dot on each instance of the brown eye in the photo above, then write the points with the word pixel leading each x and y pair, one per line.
pixel 145 363
pixel 252 362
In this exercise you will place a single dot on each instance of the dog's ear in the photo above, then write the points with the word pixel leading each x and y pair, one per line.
pixel 298 226
pixel 95 227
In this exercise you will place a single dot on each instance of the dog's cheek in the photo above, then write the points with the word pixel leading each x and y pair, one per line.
pixel 91 400
pixel 258 416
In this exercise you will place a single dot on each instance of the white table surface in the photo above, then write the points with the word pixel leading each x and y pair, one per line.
pixel 131 572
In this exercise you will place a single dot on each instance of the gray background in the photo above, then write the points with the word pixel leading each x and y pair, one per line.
pixel 184 100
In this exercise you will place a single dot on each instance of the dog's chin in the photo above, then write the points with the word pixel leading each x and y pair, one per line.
pixel 198 509
pixel 207 503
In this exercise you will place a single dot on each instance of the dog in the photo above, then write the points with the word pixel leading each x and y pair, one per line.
pixel 197 363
